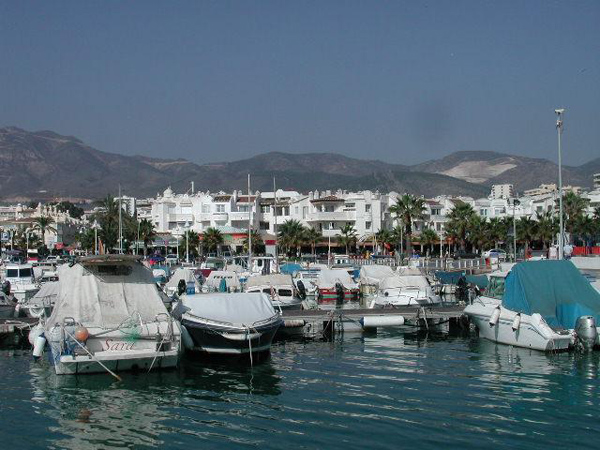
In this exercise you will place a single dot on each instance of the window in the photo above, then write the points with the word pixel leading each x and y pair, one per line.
pixel 265 209
pixel 329 208
pixel 220 208
pixel 243 208
pixel 304 212
pixel 206 209
pixel 186 210
pixel 436 211
pixel 264 225
pixel 483 212
pixel 367 225
pixel 367 208
pixel 331 225
pixel 296 210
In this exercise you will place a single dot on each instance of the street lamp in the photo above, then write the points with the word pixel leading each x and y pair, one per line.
pixel 95 227
pixel 559 129
pixel 27 231
pixel 515 204
pixel 187 242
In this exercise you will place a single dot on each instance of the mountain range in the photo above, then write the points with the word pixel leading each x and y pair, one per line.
pixel 42 165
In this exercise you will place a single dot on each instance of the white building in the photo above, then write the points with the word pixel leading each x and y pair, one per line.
pixel 502 191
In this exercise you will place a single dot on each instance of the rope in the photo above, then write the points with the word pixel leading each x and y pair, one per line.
pixel 92 356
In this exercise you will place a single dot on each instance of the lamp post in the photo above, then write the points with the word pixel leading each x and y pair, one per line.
pixel 95 226
pixel 27 231
pixel 187 242
pixel 515 204
pixel 561 236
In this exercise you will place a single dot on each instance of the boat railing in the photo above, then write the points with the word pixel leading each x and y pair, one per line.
pixel 234 325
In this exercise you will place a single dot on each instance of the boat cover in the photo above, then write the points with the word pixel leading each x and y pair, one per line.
pixel 481 281
pixel 240 309
pixel 182 274
pixel 47 290
pixel 554 289
pixel 372 275
pixel 214 279
pixel 329 277
pixel 272 280
pixel 103 299
pixel 448 277
pixel 415 281
pixel 290 268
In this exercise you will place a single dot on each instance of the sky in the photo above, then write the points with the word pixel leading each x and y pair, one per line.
pixel 400 81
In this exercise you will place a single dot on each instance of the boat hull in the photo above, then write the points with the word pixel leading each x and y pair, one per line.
pixel 7 311
pixel 532 332
pixel 225 340
pixel 328 299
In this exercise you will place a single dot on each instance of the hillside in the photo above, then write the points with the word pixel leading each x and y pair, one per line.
pixel 44 164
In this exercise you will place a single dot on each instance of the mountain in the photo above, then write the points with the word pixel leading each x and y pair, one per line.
pixel 43 165
pixel 489 168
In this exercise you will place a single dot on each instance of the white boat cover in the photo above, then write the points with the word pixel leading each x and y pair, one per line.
pixel 182 274
pixel 276 279
pixel 239 309
pixel 48 290
pixel 235 268
pixel 329 277
pixel 395 282
pixel 372 275
pixel 214 279
pixel 156 273
pixel 407 270
pixel 96 298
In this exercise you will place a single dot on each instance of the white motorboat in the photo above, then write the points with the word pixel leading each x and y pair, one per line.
pixel 336 289
pixel 228 323
pixel 182 279
pixel 22 281
pixel 109 315
pixel 542 305
pixel 222 281
pixel 371 276
pixel 407 287
pixel 42 303
pixel 279 287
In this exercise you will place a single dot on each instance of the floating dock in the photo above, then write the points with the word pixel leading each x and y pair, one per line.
pixel 316 323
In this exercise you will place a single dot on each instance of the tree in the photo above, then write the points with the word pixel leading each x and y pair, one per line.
pixel 458 221
pixel 212 239
pixel 397 235
pixel 312 237
pixel 574 207
pixel 585 227
pixel 21 240
pixel 87 239
pixel 108 219
pixel 258 245
pixel 348 236
pixel 65 206
pixel 407 209
pixel 428 237
pixel 527 231
pixel 385 238
pixel 44 224
pixel 547 227
pixel 147 233
pixel 479 232
pixel 291 235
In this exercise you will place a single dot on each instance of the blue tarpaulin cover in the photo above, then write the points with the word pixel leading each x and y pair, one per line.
pixel 448 277
pixel 290 268
pixel 480 281
pixel 554 289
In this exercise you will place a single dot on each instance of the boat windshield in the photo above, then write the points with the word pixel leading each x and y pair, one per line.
pixel 495 288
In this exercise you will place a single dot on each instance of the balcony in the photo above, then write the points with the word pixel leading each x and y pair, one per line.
pixel 181 218
pixel 331 216
pixel 220 216
pixel 238 216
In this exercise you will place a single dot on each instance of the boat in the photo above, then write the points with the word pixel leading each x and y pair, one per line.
pixel 542 305
pixel 222 281
pixel 336 289
pixel 184 280
pixel 42 303
pixel 228 323
pixel 279 287
pixel 7 306
pixel 370 277
pixel 109 316
pixel 22 281
pixel 407 287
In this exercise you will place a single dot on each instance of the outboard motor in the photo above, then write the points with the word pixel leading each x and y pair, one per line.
pixel 585 328
pixel 301 289
pixel 6 287
pixel 181 287
pixel 339 290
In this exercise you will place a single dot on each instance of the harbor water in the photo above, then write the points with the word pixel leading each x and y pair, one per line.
pixel 391 390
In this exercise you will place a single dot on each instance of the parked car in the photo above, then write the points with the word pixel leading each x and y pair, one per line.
pixel 495 253
pixel 172 259
pixel 464 255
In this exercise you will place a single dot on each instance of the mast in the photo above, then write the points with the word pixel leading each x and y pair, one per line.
pixel 249 228
pixel 275 225
pixel 120 224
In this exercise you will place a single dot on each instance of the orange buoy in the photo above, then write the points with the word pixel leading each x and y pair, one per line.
pixel 82 334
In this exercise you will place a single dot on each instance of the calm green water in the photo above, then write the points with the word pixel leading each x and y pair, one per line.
pixel 393 390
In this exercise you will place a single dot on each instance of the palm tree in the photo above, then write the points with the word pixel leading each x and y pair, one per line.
pixel 21 239
pixel 291 235
pixel 348 236
pixel 190 241
pixel 479 232
pixel 257 242
pixel 146 233
pixel 527 230
pixel 384 237
pixel 407 209
pixel 212 239
pixel 458 221
pixel 43 224
pixel 312 236
pixel 547 227
pixel 428 237
pixel 574 207
pixel 108 219
pixel 397 235
pixel 87 239
pixel 585 227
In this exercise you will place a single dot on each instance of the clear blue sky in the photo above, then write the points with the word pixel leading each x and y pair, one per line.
pixel 399 81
